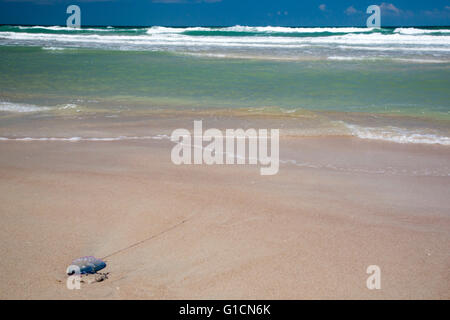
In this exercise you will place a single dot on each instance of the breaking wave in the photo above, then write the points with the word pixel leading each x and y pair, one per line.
pixel 267 41
pixel 397 135
pixel 20 107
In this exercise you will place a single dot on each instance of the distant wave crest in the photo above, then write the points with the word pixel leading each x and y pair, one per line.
pixel 411 44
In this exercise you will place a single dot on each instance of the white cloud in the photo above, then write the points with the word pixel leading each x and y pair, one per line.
pixel 389 8
pixel 323 7
pixel 350 10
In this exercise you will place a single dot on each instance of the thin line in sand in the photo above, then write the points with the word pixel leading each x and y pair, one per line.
pixel 145 240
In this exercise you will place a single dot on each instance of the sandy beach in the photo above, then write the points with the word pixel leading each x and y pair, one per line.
pixel 223 232
pixel 338 114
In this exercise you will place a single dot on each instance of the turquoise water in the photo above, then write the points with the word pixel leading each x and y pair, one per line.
pixel 395 72
pixel 166 79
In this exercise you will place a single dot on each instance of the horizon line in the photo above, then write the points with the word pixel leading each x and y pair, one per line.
pixel 223 26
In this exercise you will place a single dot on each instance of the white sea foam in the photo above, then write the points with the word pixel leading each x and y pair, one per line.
pixel 68 106
pixel 419 31
pixel 21 107
pixel 398 135
pixel 350 58
pixel 406 60
pixel 59 28
pixel 424 45
pixel 180 39
pixel 270 29
pixel 239 28
pixel 53 48
pixel 166 30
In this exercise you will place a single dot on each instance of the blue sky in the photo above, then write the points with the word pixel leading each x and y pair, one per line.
pixel 226 12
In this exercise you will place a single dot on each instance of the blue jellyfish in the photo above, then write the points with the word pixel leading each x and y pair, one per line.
pixel 88 264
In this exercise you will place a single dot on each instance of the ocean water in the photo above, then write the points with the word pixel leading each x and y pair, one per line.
pixel 383 84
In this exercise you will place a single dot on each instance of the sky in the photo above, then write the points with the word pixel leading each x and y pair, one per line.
pixel 226 12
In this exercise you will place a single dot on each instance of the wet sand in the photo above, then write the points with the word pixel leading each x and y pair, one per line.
pixel 224 232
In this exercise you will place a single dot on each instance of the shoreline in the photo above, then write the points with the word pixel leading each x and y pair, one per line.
pixel 72 126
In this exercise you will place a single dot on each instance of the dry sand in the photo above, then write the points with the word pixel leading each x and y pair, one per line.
pixel 222 232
